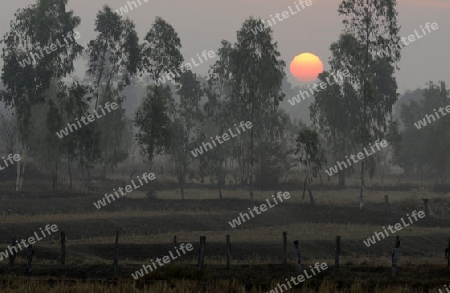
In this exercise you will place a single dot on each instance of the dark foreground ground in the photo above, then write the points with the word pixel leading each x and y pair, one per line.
pixel 147 228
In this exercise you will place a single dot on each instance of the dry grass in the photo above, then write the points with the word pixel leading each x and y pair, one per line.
pixel 154 229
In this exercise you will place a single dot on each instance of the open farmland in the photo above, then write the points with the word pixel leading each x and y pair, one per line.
pixel 147 228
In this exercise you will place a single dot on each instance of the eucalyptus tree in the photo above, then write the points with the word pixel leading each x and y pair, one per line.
pixel 36 29
pixel 160 54
pixel 257 74
pixel 424 146
pixel 185 125
pixel 114 54
pixel 310 154
pixel 54 124
pixel 161 51
pixel 373 26
pixel 153 120
pixel 44 145
pixel 114 57
pixel 334 109
pixel 116 136
pixel 73 103
pixel 219 112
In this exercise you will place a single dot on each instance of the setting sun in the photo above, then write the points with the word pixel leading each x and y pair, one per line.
pixel 306 67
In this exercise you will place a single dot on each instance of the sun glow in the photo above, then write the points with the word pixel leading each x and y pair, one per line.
pixel 306 67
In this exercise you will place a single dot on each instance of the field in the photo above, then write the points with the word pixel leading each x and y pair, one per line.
pixel 147 227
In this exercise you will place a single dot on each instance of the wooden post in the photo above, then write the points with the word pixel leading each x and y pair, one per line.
pixel 337 252
pixel 311 198
pixel 299 257
pixel 395 256
pixel 447 255
pixel 427 211
pixel 228 251
pixel 201 252
pixel 116 259
pixel 386 204
pixel 284 248
pixel 29 259
pixel 12 256
pixel 175 241
pixel 63 248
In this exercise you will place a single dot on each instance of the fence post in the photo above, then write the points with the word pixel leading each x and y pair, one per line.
pixel 63 248
pixel 337 252
pixel 29 259
pixel 447 255
pixel 12 256
pixel 228 251
pixel 386 204
pixel 395 256
pixel 116 258
pixel 284 248
pixel 311 198
pixel 175 241
pixel 299 257
pixel 201 252
pixel 427 211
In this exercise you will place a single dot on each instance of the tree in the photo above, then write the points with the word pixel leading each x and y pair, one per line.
pixel 331 112
pixel 161 51
pixel 257 75
pixel 74 103
pixel 218 111
pixel 36 28
pixel 114 59
pixel 153 120
pixel 116 137
pixel 373 26
pixel 185 125
pixel 114 54
pixel 160 54
pixel 423 148
pixel 311 155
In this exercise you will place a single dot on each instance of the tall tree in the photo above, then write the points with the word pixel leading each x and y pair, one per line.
pixel 74 102
pixel 257 72
pixel 161 51
pixel 160 55
pixel 373 24
pixel 424 146
pixel 333 110
pixel 185 125
pixel 114 60
pixel 153 120
pixel 218 110
pixel 27 70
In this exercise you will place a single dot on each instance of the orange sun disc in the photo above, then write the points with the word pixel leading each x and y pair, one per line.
pixel 306 67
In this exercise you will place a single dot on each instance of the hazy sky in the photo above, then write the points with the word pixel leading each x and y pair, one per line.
pixel 201 24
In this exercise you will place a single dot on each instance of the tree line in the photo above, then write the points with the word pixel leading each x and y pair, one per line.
pixel 245 83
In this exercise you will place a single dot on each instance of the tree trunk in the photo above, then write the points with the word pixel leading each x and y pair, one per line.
pixel 104 169
pixel 18 165
pixel 53 181
pixel 22 173
pixel 251 158
pixel 304 188
pixel 361 197
pixel 342 179
pixel 182 190
pixel 55 177
pixel 70 175
pixel 18 176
